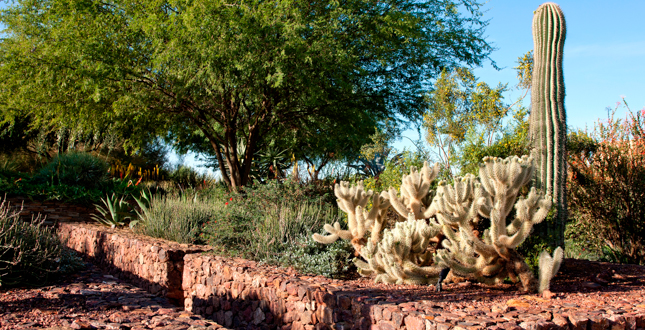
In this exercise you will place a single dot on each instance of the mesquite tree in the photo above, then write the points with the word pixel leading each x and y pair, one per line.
pixel 548 127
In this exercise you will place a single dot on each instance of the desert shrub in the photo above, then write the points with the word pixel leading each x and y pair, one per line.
pixel 265 219
pixel 176 217
pixel 30 253
pixel 310 257
pixel 607 187
pixel 513 141
pixel 75 169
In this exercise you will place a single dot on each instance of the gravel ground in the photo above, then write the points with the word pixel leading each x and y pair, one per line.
pixel 90 299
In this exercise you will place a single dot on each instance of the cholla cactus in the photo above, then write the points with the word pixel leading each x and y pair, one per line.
pixel 352 200
pixel 414 192
pixel 404 255
pixel 493 258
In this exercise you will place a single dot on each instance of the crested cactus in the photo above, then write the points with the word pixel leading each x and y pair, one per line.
pixel 548 126
pixel 403 254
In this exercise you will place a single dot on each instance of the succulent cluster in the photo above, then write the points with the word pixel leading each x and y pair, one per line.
pixel 437 230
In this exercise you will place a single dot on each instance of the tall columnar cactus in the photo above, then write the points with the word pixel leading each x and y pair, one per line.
pixel 548 127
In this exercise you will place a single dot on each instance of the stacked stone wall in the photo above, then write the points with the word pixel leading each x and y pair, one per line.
pixel 243 294
pixel 155 265
pixel 51 211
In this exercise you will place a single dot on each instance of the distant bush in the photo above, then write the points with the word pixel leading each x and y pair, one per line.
pixel 75 169
pixel 30 253
pixel 187 177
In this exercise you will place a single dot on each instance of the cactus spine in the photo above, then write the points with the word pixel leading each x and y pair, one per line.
pixel 548 126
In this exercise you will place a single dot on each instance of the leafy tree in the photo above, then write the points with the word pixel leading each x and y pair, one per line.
pixel 468 120
pixel 457 106
pixel 229 74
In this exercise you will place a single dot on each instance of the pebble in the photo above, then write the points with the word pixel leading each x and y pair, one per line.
pixel 92 300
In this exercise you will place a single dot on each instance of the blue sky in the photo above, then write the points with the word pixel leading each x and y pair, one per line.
pixel 604 54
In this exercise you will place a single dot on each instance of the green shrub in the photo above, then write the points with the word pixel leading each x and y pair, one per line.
pixel 31 253
pixel 175 217
pixel 310 257
pixel 75 169
pixel 265 219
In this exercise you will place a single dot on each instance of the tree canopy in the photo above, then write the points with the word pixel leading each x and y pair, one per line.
pixel 230 74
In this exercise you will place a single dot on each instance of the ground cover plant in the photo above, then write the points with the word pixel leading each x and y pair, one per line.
pixel 269 222
pixel 30 253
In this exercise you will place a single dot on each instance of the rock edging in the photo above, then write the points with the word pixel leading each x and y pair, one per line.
pixel 155 265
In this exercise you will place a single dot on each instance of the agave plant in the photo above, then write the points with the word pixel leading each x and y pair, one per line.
pixel 116 212
pixel 144 204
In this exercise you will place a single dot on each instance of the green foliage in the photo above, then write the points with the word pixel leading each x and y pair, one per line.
pixel 116 213
pixel 395 168
pixel 186 177
pixel 30 253
pixel 176 217
pixel 524 70
pixel 534 245
pixel 266 219
pixel 214 74
pixel 606 186
pixel 20 184
pixel 75 169
pixel 460 105
pixel 310 257
pixel 512 142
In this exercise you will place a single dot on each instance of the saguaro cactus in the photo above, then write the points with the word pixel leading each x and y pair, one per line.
pixel 548 127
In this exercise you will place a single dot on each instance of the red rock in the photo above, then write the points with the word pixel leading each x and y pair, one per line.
pixel 578 322
pixel 81 325
pixel 387 314
pixel 599 323
pixel 397 319
pixel 414 322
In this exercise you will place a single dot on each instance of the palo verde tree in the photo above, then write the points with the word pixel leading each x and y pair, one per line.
pixel 229 72
pixel 457 106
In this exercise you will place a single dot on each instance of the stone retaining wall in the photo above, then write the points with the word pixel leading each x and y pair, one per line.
pixel 52 211
pixel 153 264
pixel 243 294
pixel 238 293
